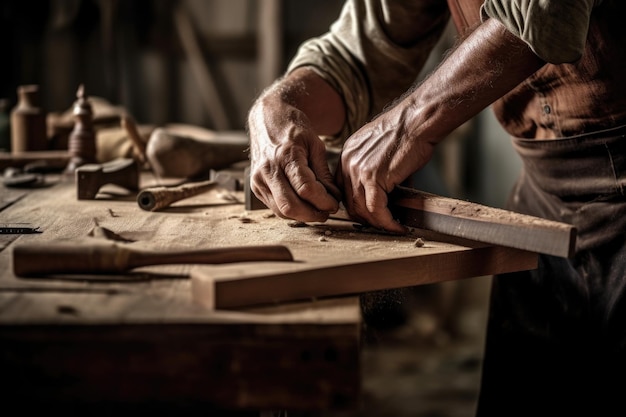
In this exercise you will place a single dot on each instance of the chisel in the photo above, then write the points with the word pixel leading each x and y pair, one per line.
pixel 37 259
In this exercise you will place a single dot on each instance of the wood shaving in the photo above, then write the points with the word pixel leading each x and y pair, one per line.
pixel 297 224
pixel 419 242
pixel 322 239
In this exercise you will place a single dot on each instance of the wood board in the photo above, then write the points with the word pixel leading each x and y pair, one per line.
pixel 340 260
pixel 482 223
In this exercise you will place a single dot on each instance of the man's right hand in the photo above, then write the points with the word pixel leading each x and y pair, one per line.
pixel 289 170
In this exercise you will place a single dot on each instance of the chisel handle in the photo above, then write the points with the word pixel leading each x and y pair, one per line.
pixel 157 198
pixel 31 260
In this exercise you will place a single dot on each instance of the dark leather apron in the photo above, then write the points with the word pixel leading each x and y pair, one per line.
pixel 557 335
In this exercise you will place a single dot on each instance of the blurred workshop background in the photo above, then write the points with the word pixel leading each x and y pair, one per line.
pixel 202 62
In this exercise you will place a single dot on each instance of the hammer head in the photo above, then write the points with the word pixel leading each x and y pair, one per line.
pixel 123 172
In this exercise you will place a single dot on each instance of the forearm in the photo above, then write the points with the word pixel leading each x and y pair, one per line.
pixel 486 66
pixel 303 94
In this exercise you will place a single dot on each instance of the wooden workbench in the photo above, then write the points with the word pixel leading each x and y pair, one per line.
pixel 143 339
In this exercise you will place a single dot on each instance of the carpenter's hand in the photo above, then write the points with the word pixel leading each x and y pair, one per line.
pixel 374 160
pixel 289 169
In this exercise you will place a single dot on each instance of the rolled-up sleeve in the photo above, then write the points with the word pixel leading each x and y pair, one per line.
pixel 373 53
pixel 556 30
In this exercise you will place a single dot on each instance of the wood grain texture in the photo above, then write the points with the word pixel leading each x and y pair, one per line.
pixel 345 263
pixel 100 256
pixel 76 343
pixel 482 223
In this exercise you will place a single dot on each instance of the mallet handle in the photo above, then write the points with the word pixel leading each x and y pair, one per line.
pixel 31 260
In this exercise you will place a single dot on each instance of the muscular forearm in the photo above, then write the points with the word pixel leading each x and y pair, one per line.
pixel 487 65
pixel 383 153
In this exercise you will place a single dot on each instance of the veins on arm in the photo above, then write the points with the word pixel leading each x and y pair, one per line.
pixel 482 68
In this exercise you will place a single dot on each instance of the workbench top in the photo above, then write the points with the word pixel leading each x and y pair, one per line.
pixel 74 341
pixel 154 336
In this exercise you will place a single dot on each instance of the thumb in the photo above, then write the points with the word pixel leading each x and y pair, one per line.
pixel 319 163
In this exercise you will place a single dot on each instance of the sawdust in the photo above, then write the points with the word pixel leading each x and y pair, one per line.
pixel 419 242
pixel 297 224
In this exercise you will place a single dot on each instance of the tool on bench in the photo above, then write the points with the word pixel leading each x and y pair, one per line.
pixel 123 172
pixel 29 174
pixel 187 152
pixel 55 160
pixel 38 259
pixel 157 198
pixel 82 139
pixel 18 228
pixel 139 145
pixel 14 177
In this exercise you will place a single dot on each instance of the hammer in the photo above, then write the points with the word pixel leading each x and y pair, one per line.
pixel 90 177
pixel 113 258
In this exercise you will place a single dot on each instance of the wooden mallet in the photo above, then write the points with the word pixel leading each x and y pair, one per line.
pixel 123 172
pixel 91 257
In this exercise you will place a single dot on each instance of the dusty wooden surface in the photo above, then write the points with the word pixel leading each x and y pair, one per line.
pixel 142 337
pixel 336 258
pixel 138 340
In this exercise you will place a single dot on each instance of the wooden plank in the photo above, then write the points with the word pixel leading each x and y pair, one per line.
pixel 354 265
pixel 482 223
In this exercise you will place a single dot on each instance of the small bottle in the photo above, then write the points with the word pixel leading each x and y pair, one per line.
pixel 28 121
pixel 82 139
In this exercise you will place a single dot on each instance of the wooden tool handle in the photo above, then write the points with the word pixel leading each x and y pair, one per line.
pixel 32 260
pixel 139 145
pixel 157 198
pixel 175 153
